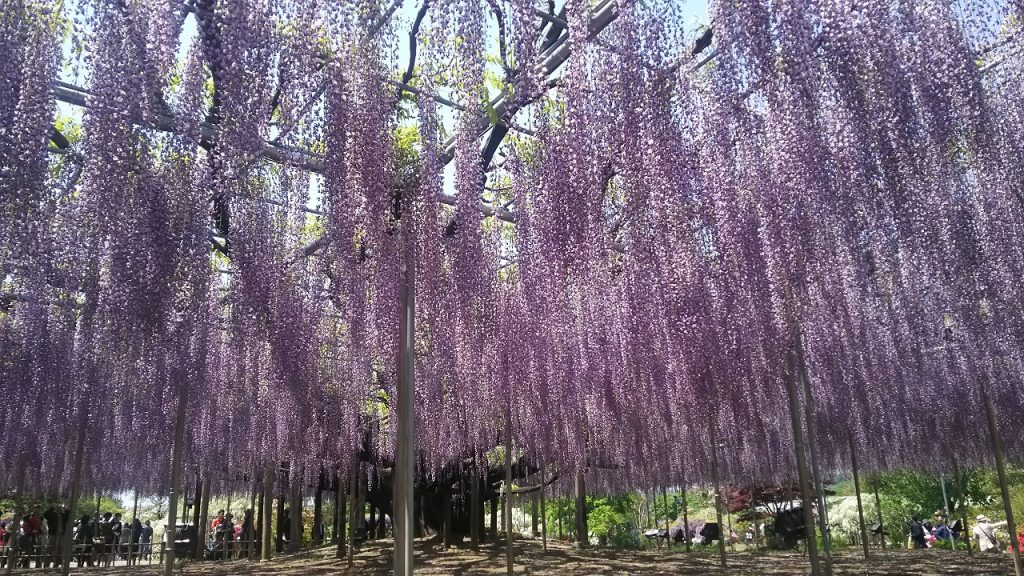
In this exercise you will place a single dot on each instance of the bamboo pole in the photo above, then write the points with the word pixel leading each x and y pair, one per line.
pixel 860 504
pixel 713 433
pixel 801 462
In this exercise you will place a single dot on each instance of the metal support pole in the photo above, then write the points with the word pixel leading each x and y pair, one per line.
pixel 801 462
pixel 997 448
pixel 860 504
pixel 713 433
pixel 404 461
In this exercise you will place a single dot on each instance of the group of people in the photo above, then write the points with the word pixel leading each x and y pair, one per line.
pixel 104 540
pixel 228 539
pixel 924 533
pixel 37 537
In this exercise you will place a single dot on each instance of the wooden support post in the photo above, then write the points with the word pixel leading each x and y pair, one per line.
pixel 446 498
pixel 175 488
pixel 295 475
pixel 668 534
pixel 878 507
pixel 318 509
pixel 510 567
pixel 860 504
pixel 534 504
pixel 753 515
pixel 404 509
pixel 336 516
pixel 713 433
pixel 961 504
pixel 494 519
pixel 76 494
pixel 581 529
pixel 475 515
pixel 543 510
pixel 201 515
pixel 558 515
pixel 267 514
pixel 686 519
pixel 249 519
pixel 355 516
pixel 945 507
pixel 997 449
pixel 342 503
pixel 801 463
pixel 812 450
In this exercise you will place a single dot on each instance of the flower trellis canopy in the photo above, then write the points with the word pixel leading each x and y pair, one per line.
pixel 624 231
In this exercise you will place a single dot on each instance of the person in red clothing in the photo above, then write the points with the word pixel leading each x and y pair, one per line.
pixel 216 521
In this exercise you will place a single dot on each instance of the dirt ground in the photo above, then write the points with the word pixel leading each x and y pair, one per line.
pixel 561 560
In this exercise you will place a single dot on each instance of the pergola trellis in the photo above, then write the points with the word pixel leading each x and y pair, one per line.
pixel 555 50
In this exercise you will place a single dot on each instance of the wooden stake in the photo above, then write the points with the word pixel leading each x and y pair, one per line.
pixel 860 504
pixel 354 515
pixel 812 450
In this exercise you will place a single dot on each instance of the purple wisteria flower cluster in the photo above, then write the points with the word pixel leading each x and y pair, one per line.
pixel 619 239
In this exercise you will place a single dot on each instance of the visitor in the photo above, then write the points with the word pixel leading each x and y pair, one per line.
pixel 105 535
pixel 247 533
pixel 985 533
pixel 116 528
pixel 941 531
pixel 134 551
pixel 225 536
pixel 83 539
pixel 918 537
pixel 32 531
pixel 147 541
pixel 216 521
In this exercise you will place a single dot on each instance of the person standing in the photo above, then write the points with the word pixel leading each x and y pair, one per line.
pixel 135 537
pixel 147 541
pixel 985 533
pixel 917 533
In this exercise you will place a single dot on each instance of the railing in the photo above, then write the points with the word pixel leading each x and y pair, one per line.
pixel 46 554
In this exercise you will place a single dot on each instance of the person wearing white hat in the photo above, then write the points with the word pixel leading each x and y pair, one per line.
pixel 985 533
